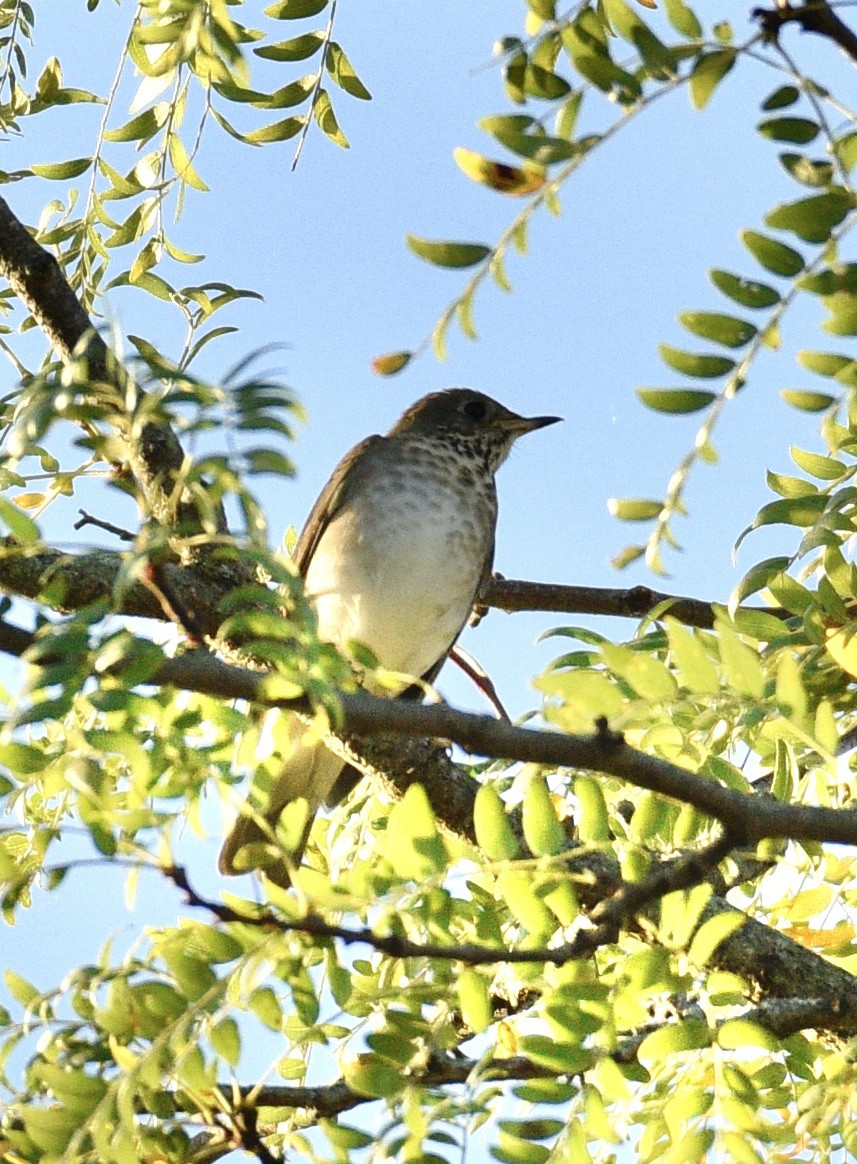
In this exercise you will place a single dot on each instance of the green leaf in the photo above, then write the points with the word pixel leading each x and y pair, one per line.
pixel 741 664
pixel 744 291
pixel 843 315
pixel 799 130
pixel 601 71
pixel 18 523
pixel 266 1007
pixel 756 579
pixel 694 666
pixel 491 824
pixel 539 148
pixel 790 486
pixel 645 673
pixel 511 1150
pixel 149 282
pixel 146 259
pixel 683 19
pixel 500 125
pixel 226 1041
pixel 412 843
pixel 543 84
pixel 566 118
pixel 807 401
pixel 773 255
pixel 183 166
pixel 693 364
pixel 23 759
pixel 672 1039
pixel 800 511
pixel 634 508
pixel 516 889
pixel 277 131
pixel 780 98
pixel 21 990
pixel 628 24
pixel 368 1075
pixel 627 556
pixel 675 400
pixel 299 48
pixel 50 1129
pixel 738 1033
pixel 447 254
pixel 830 280
pixel 322 111
pixel 340 68
pixel 546 9
pixel 593 825
pixel 58 171
pixel 824 363
pixel 542 830
pixel 260 461
pixel 723 329
pixel 825 468
pixel 846 150
pixel 807 171
pixel 295 9
pixel 474 999
pixel 812 219
pixel 708 72
pixel 141 127
pixel 532 1129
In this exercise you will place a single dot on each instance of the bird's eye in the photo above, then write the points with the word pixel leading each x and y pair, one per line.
pixel 475 409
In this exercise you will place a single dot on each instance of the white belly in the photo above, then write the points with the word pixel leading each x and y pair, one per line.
pixel 408 596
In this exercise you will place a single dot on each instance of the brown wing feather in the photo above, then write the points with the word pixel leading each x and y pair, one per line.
pixel 329 501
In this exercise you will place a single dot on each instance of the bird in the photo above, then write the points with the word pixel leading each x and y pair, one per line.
pixel 394 555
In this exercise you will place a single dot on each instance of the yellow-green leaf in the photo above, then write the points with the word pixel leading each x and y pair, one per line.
pixel 447 254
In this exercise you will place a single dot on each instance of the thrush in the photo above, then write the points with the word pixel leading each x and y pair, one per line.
pixel 394 555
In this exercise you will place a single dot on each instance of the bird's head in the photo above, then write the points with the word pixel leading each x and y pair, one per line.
pixel 469 418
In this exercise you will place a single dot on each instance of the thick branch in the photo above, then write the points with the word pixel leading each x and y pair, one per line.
pixel 511 595
pixel 69 582
pixel 769 960
pixel 748 817
pixel 154 453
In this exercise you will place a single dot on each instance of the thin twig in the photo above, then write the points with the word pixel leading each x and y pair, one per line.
pixel 87 519
pixel 609 917
pixel 325 46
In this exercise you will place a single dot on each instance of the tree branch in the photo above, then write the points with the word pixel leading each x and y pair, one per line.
pixel 608 917
pixel 770 960
pixel 747 817
pixel 816 16
pixel 514 595
pixel 782 1017
pixel 510 595
pixel 154 453
pixel 69 582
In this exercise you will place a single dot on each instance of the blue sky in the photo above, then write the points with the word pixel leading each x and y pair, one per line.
pixel 643 220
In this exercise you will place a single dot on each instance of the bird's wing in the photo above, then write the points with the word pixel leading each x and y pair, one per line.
pixel 329 501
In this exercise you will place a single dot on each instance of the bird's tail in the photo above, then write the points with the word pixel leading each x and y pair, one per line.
pixel 308 774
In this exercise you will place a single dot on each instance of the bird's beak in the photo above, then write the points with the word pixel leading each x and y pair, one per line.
pixel 519 425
